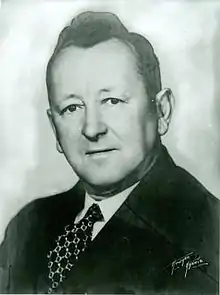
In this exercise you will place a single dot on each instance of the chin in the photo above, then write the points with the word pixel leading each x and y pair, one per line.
pixel 102 180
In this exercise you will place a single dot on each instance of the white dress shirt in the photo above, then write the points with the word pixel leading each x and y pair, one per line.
pixel 107 206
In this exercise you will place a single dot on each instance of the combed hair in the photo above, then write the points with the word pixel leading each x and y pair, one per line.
pixel 90 28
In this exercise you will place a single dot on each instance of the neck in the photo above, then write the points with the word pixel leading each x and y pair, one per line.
pixel 102 192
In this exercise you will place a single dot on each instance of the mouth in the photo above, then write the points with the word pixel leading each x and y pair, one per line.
pixel 100 151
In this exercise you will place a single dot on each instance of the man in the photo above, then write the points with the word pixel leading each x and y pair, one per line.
pixel 135 222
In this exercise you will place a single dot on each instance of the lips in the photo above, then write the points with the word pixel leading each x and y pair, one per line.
pixel 99 151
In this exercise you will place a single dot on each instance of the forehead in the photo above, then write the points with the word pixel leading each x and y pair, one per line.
pixel 112 60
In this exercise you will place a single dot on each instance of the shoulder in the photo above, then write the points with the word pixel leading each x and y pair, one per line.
pixel 41 215
pixel 192 202
pixel 170 188
pixel 176 204
pixel 29 235
pixel 189 211
pixel 193 220
pixel 31 212
pixel 180 192
pixel 181 209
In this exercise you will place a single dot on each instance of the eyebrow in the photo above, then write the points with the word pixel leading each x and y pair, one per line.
pixel 109 89
pixel 72 95
pixel 105 90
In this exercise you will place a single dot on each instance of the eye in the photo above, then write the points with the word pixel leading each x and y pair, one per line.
pixel 71 108
pixel 113 100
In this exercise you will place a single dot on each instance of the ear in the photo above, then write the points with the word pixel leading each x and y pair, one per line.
pixel 164 104
pixel 49 115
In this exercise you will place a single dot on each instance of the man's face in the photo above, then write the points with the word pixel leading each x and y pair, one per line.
pixel 105 123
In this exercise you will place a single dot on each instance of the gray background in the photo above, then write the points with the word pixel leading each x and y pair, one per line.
pixel 186 38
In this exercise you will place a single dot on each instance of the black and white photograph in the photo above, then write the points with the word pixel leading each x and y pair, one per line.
pixel 109 147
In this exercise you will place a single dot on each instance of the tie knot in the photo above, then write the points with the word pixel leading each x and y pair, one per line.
pixel 94 213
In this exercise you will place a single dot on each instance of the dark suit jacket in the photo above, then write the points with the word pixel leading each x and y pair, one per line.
pixel 167 216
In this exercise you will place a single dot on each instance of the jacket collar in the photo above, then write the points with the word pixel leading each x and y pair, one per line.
pixel 143 206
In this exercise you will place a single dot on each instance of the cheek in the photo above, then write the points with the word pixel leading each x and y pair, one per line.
pixel 127 125
pixel 68 131
pixel 138 128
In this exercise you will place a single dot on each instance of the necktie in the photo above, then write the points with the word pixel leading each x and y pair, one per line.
pixel 70 245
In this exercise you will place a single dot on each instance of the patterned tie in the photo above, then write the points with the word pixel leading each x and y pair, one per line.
pixel 70 244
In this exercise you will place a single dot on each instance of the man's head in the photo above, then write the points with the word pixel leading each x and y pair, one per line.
pixel 106 104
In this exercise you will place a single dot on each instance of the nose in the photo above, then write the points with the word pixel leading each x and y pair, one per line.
pixel 93 127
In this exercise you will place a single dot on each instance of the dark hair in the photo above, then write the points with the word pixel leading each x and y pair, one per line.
pixel 90 28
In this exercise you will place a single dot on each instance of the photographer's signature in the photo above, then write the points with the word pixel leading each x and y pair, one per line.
pixel 188 262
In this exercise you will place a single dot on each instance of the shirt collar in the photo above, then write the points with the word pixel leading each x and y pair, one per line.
pixel 109 205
